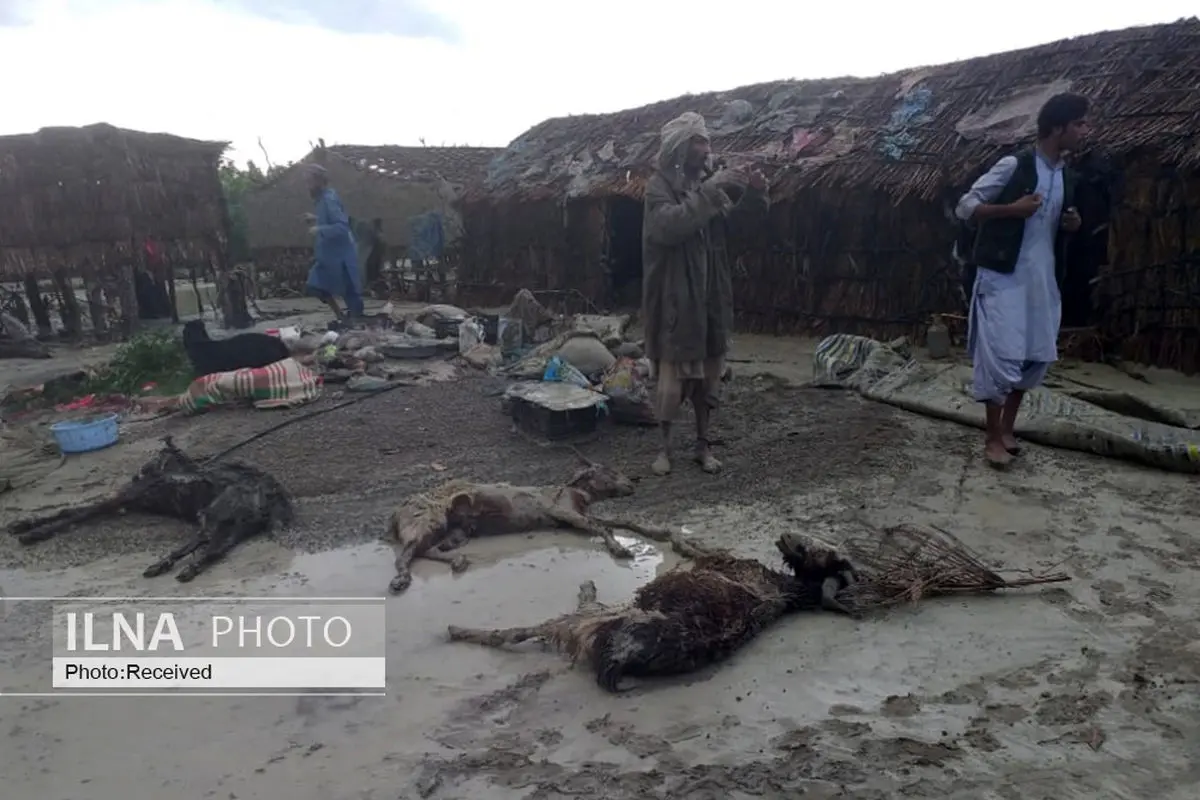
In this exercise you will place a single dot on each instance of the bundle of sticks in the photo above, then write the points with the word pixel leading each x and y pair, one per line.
pixel 904 564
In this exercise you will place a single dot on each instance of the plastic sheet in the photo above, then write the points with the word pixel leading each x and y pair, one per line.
pixel 876 371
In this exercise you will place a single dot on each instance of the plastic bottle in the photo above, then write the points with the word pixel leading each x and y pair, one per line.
pixel 937 339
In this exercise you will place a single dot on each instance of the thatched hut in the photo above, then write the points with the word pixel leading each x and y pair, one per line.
pixel 114 210
pixel 383 189
pixel 864 174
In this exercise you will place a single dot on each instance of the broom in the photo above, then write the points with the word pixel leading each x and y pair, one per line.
pixel 904 564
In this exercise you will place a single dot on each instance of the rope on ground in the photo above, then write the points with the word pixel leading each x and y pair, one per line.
pixel 302 417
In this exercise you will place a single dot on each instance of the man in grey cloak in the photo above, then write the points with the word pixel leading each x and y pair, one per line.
pixel 687 303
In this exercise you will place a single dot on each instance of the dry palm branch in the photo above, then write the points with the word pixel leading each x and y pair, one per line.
pixel 904 564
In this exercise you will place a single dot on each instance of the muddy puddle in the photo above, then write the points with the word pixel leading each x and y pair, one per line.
pixel 209 741
pixel 511 580
pixel 364 570
pixel 447 700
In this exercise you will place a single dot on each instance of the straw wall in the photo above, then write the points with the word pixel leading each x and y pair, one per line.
pixel 1149 294
pixel 81 204
pixel 540 245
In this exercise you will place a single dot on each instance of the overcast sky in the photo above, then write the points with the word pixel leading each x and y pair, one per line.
pixel 473 72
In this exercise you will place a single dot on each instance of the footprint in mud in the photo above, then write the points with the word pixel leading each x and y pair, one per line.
pixel 966 695
pixel 313 707
pixel 1071 709
pixel 472 722
pixel 506 698
pixel 798 739
pixel 911 752
pixel 901 706
pixel 1157 592
pixel 848 730
pixel 1115 601
pixel 623 735
pixel 1063 599
pixel 980 738
pixel 1007 713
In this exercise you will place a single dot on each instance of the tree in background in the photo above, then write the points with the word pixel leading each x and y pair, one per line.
pixel 236 182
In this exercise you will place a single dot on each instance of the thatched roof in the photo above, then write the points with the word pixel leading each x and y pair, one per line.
pixel 907 133
pixel 388 182
pixel 96 192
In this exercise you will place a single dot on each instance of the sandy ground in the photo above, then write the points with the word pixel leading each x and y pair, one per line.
pixel 1084 690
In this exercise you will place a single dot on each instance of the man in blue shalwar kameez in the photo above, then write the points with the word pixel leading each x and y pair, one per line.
pixel 1019 207
pixel 334 271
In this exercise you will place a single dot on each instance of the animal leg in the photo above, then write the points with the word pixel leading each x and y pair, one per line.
pixel 34 530
pixel 405 553
pixel 657 533
pixel 217 547
pixel 829 589
pixel 497 637
pixel 454 540
pixel 171 559
pixel 458 563
pixel 578 522
pixel 412 539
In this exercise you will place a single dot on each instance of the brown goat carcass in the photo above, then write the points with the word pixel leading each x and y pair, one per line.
pixel 687 619
pixel 433 525
pixel 230 502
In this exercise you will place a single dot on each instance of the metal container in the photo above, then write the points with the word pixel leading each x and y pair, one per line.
pixel 937 339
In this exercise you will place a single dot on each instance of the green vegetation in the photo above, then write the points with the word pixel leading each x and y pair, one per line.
pixel 154 357
pixel 237 182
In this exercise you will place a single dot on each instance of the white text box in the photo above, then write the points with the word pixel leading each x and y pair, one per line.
pixel 220 673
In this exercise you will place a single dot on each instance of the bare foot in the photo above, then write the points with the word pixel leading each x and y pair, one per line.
pixel 997 455
pixel 707 462
pixel 1011 444
pixel 661 465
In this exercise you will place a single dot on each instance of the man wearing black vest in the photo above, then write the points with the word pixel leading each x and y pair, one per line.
pixel 1022 211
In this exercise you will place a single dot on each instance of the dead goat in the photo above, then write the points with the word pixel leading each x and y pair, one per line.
pixel 230 501
pixel 245 350
pixel 433 525
pixel 686 619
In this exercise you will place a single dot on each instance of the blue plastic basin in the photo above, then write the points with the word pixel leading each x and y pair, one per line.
pixel 83 436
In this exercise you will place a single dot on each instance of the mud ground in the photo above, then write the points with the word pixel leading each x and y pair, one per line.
pixel 1085 690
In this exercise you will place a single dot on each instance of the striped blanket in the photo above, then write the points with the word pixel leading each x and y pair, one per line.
pixel 854 362
pixel 280 385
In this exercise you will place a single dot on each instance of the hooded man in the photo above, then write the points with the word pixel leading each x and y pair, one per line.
pixel 687 302
pixel 334 271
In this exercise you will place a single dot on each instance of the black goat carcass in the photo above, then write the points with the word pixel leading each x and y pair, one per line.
pixel 229 501
pixel 225 355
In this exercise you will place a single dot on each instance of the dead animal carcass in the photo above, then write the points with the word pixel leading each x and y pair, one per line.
pixel 686 619
pixel 230 501
pixel 433 525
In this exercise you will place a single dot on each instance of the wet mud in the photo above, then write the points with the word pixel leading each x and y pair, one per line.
pixel 1086 690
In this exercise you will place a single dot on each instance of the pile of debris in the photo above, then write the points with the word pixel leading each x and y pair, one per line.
pixel 569 370
pixel 383 350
